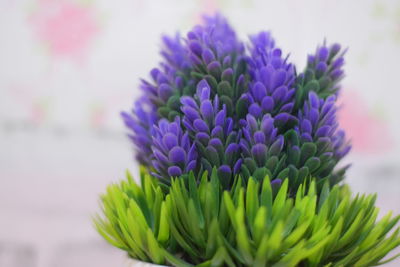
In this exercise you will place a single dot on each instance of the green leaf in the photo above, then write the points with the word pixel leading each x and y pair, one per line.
pixel 154 249
pixel 349 234
pixel 195 197
pixel 174 260
pixel 283 174
pixel 211 81
pixel 242 237
pixel 312 86
pixel 212 155
pixel 324 195
pixel 241 107
pixel 307 151
pixel 312 163
pixel 228 102
pixel 260 223
pixel 246 225
pixel 252 202
pixel 261 254
pixel 224 88
pixel 230 207
pixel 272 162
pixel 280 199
pixel 163 232
pixel 227 75
pixel 260 173
pixel 275 240
pixel 266 195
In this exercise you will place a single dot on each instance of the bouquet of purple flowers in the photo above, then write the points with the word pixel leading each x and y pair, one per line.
pixel 240 156
pixel 214 104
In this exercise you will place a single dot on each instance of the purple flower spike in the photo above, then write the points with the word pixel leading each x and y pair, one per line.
pixel 322 74
pixel 260 132
pixel 170 80
pixel 327 62
pixel 212 131
pixel 174 152
pixel 216 54
pixel 212 105
pixel 323 144
pixel 261 147
pixel 271 89
pixel 223 36
pixel 140 122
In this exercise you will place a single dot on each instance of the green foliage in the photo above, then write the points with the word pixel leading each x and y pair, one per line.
pixel 251 225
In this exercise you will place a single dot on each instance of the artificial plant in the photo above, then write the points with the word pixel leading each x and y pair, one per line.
pixel 250 225
pixel 240 160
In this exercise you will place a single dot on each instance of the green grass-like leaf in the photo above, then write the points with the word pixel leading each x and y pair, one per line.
pixel 200 224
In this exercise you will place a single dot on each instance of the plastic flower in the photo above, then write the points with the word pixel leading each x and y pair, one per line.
pixel 318 128
pixel 212 131
pixel 250 225
pixel 316 145
pixel 218 57
pixel 322 74
pixel 271 89
pixel 240 160
pixel 171 80
pixel 261 147
pixel 140 122
pixel 174 153
pixel 242 112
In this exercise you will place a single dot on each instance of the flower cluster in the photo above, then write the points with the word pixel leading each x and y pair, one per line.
pixel 322 74
pixel 174 152
pixel 213 104
pixel 271 89
pixel 239 159
pixel 213 132
pixel 141 124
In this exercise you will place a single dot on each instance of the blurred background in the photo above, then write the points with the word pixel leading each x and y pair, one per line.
pixel 68 67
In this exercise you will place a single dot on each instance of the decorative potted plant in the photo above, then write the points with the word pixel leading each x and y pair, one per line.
pixel 240 157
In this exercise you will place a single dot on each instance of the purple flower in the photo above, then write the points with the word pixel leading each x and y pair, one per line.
pixel 212 131
pixel 321 144
pixel 174 152
pixel 218 57
pixel 215 41
pixel 171 80
pixel 322 75
pixel 327 63
pixel 211 104
pixel 261 147
pixel 140 122
pixel 271 89
pixel 174 53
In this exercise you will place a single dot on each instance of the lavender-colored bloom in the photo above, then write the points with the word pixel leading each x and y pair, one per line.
pixel 261 147
pixel 327 63
pixel 174 152
pixel 218 57
pixel 160 99
pixel 271 89
pixel 140 122
pixel 322 75
pixel 213 104
pixel 223 35
pixel 212 131
pixel 171 80
pixel 215 41
pixel 175 53
pixel 322 144
pixel 341 146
